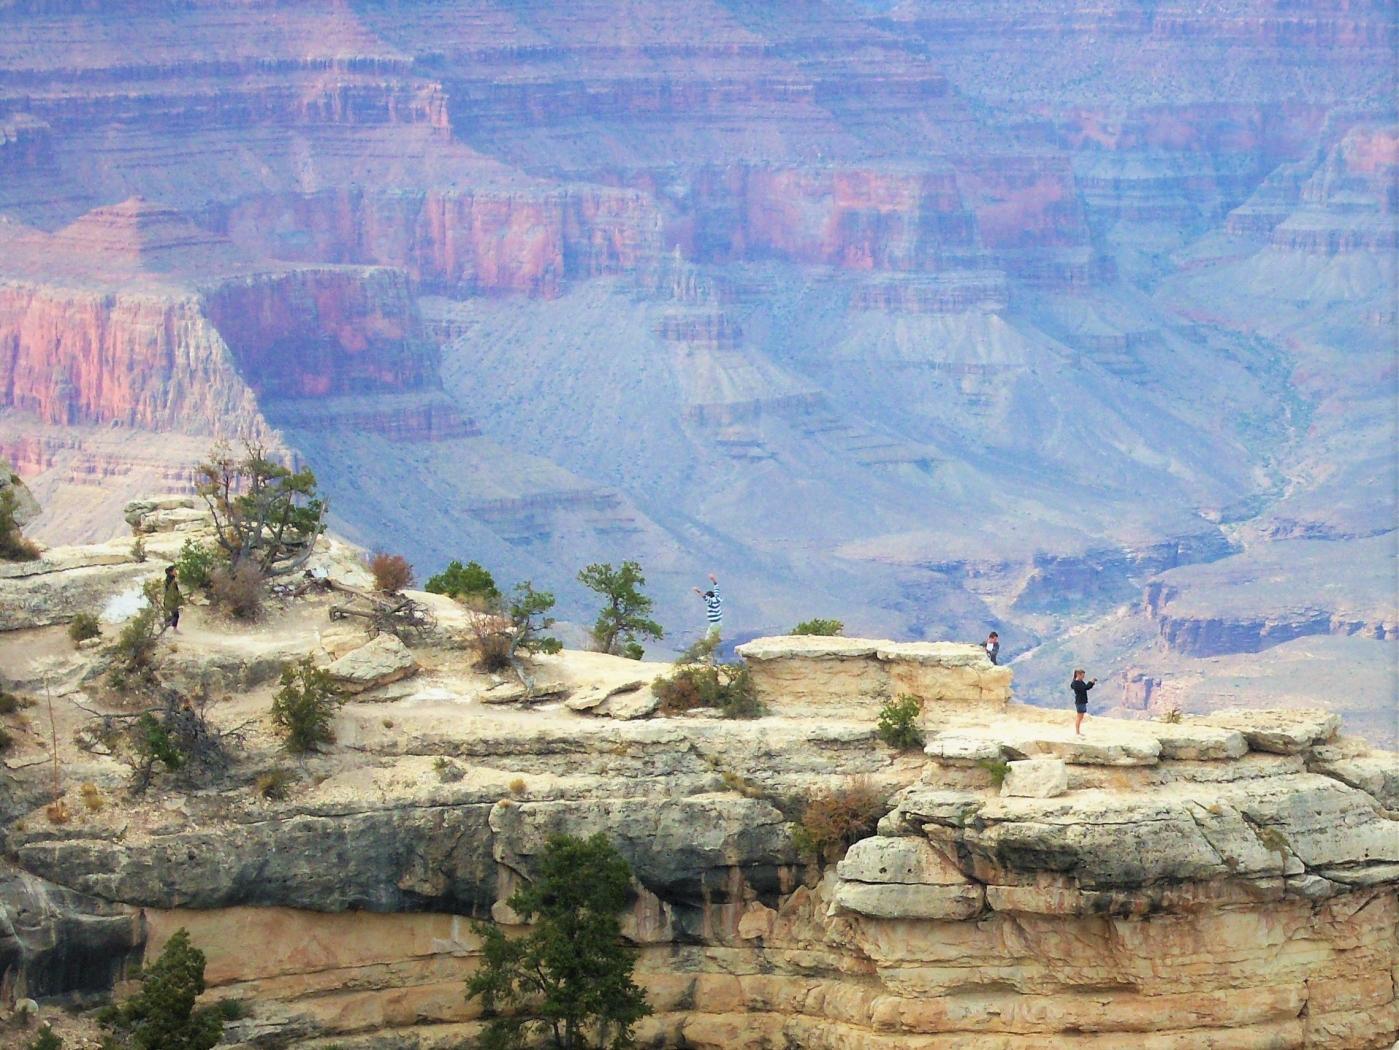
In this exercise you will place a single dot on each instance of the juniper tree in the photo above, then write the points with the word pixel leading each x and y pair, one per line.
pixel 624 616
pixel 570 978
pixel 162 1015
pixel 265 514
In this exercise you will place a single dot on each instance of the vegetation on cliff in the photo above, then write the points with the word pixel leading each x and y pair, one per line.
pixel 265 515
pixel 13 545
pixel 819 627
pixel 162 1015
pixel 625 616
pixel 701 680
pixel 468 583
pixel 304 707
pixel 569 979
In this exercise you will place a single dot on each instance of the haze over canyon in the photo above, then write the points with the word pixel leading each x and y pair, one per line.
pixel 1077 321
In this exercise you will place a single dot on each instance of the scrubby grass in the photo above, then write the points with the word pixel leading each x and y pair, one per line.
pixel 820 628
pixel 832 821
pixel 84 626
pixel 898 723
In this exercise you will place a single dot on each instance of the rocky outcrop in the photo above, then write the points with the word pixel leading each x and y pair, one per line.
pixel 814 675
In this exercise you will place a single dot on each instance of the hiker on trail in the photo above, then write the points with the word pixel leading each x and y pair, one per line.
pixel 993 647
pixel 1080 688
pixel 173 599
pixel 713 608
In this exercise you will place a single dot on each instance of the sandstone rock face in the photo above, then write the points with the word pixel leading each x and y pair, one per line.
pixel 381 660
pixel 796 674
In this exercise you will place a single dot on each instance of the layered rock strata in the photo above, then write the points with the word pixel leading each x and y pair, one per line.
pixel 1213 882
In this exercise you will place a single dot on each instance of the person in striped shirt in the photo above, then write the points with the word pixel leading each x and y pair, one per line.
pixel 713 607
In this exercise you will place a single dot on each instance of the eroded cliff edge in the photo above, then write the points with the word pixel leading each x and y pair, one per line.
pixel 1219 882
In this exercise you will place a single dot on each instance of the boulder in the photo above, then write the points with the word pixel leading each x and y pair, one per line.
pixel 927 805
pixel 382 660
pixel 898 860
pixel 910 901
pixel 631 705
pixel 1037 778
pixel 1281 732
pixel 52 595
pixel 591 697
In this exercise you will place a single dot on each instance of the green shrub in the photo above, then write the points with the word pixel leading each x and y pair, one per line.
pixel 566 984
pixel 84 626
pixel 1172 717
pixel 138 549
pixel 13 545
pixel 9 703
pixel 898 723
pixel 467 582
pixel 728 687
pixel 162 1015
pixel 998 770
pixel 195 564
pixel 822 628
pixel 47 1039
pixel 623 617
pixel 832 821
pixel 135 645
pixel 7 739
pixel 304 707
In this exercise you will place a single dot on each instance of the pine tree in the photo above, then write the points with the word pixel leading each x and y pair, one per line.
pixel 570 978
pixel 162 1016
pixel 624 617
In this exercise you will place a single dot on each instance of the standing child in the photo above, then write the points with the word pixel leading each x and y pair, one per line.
pixel 173 599
pixel 1080 688
pixel 713 609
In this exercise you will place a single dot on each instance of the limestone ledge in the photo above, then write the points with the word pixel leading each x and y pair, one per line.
pixel 797 675
pixel 1180 906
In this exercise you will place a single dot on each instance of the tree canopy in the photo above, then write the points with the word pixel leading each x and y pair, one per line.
pixel 570 978
pixel 265 514
pixel 624 616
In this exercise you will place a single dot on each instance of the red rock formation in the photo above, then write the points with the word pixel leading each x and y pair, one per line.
pixel 322 332
pixel 72 356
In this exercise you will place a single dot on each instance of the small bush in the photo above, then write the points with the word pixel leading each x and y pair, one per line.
pixel 7 739
pixel 82 627
pixel 898 723
pixel 47 1039
pixel 391 572
pixel 238 591
pixel 138 549
pixel 195 565
pixel 304 707
pixel 728 687
pixel 491 645
pixel 135 645
pixel 275 784
pixel 834 820
pixel 1172 717
pixel 518 786
pixel 9 703
pixel 13 545
pixel 92 798
pixel 58 812
pixel 469 583
pixel 233 1009
pixel 998 770
pixel 819 627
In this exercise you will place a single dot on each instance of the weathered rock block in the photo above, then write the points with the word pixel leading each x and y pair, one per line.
pixel 1036 778
pixel 382 660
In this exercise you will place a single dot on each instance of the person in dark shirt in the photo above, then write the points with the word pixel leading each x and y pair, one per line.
pixel 993 647
pixel 1080 688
